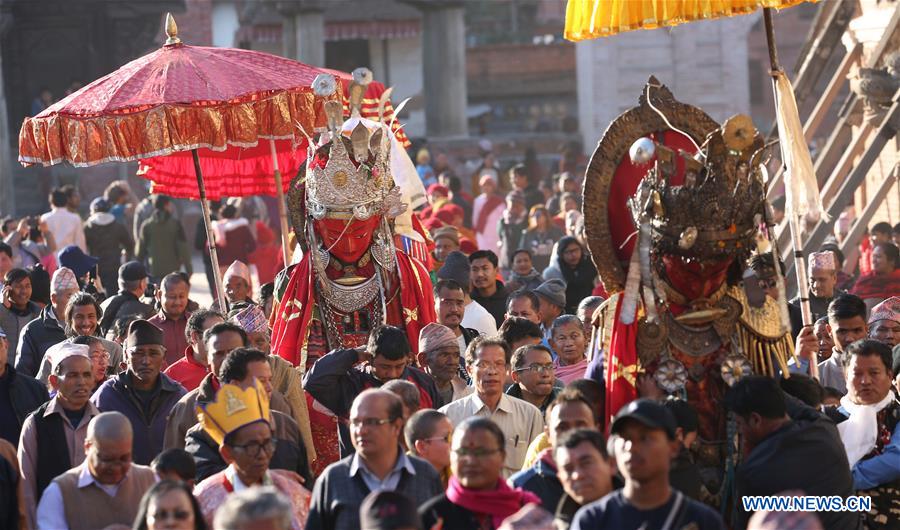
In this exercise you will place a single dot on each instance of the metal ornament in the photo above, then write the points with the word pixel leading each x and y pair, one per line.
pixel 671 376
pixel 642 151
pixel 734 368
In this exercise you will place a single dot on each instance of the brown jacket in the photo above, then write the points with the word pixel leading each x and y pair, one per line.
pixel 287 380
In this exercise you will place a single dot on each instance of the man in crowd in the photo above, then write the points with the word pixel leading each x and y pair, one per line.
pixel 439 357
pixel 585 312
pixel 487 361
pixel 822 289
pixel 219 340
pixel 552 297
pixel 427 434
pixel 518 179
pixel 684 474
pixel 784 452
pixel 487 289
pixel 106 489
pixel 585 471
pixel 822 334
pixel 172 297
pixel 238 285
pixel 162 243
pixel 190 370
pixel 524 304
pixel 132 285
pixel 377 463
pixel 259 507
pixel 847 321
pixel 475 316
pixel 6 260
pixel 61 422
pixel 533 377
pixel 409 397
pixel 239 421
pixel 518 332
pixel 644 446
pixel 568 412
pixel 142 393
pixel 446 240
pixel 20 395
pixel 884 322
pixel 334 381
pixel 869 425
pixel 64 225
pixel 254 321
pixel 450 306
pixel 49 328
pixel 241 367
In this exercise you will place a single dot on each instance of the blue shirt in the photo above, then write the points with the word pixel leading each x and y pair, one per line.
pixel 614 511
pixel 390 481
pixel 880 469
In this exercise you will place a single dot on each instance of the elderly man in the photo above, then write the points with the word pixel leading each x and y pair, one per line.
pixel 439 357
pixel 884 322
pixel 377 463
pixel 869 424
pixel 239 421
pixel 49 328
pixel 446 240
pixel 192 368
pixel 568 412
pixel 450 307
pixel 475 316
pixel 488 363
pixel 254 321
pixel 260 507
pixel 585 312
pixel 20 395
pixel 219 340
pixel 133 281
pixel 335 382
pixel 172 317
pixel 822 290
pixel 142 393
pixel 552 297
pixel 241 367
pixel 59 423
pixel 106 489
pixel 238 285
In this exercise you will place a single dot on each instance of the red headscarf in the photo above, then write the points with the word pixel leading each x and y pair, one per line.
pixel 499 503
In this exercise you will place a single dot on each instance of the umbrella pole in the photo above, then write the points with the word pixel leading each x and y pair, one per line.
pixel 219 295
pixel 282 208
pixel 794 220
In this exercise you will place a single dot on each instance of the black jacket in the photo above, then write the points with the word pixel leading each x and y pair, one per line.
pixel 290 453
pixel 25 394
pixel 335 382
pixel 495 304
pixel 804 454
pixel 122 304
pixel 37 336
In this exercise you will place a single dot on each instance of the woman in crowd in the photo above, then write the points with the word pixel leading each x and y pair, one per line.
pixel 884 279
pixel 523 274
pixel 17 308
pixel 169 505
pixel 477 496
pixel 570 344
pixel 542 233
pixel 572 264
pixel 487 211
pixel 99 358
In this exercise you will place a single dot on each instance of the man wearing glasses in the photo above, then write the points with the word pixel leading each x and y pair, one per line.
pixel 533 376
pixel 378 463
pixel 240 423
pixel 488 360
pixel 59 423
pixel 106 489
pixel 142 393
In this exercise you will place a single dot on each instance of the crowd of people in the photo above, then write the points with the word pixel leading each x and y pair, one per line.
pixel 135 407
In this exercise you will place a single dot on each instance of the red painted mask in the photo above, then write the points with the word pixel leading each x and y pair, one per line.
pixel 695 279
pixel 351 244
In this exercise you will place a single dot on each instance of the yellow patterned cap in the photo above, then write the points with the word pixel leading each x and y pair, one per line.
pixel 233 408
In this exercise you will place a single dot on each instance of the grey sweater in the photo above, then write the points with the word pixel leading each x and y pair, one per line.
pixel 337 496
pixel 12 322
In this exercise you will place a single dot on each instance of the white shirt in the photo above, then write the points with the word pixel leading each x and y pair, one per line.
pixel 66 228
pixel 477 317
pixel 51 511
pixel 520 421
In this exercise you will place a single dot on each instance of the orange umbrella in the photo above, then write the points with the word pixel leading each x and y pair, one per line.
pixel 178 98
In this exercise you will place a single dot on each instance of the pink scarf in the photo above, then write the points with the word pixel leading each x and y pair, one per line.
pixel 569 373
pixel 499 503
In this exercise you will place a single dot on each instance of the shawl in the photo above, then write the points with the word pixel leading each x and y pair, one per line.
pixel 212 492
pixel 569 373
pixel 499 503
pixel 487 205
pixel 881 287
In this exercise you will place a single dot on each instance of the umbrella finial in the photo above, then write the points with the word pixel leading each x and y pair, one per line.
pixel 171 30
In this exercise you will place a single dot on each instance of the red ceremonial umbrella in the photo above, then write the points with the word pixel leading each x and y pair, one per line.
pixel 178 98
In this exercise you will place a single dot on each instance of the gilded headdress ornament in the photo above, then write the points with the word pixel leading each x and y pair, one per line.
pixel 233 407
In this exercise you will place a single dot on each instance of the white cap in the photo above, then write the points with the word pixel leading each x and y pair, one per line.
pixel 62 351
